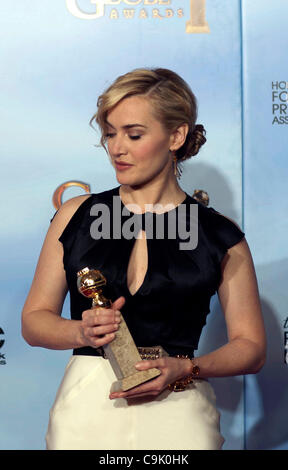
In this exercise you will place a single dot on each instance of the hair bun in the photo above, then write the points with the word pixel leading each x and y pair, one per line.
pixel 198 139
pixel 194 142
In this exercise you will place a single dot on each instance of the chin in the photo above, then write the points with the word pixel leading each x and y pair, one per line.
pixel 136 179
pixel 129 180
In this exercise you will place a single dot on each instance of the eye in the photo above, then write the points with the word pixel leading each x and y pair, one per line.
pixel 134 137
pixel 109 135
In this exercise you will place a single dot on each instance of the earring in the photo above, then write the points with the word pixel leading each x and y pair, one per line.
pixel 177 171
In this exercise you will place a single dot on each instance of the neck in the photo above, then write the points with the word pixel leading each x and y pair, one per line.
pixel 166 192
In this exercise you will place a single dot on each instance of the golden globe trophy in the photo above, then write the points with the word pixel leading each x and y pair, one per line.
pixel 197 22
pixel 122 352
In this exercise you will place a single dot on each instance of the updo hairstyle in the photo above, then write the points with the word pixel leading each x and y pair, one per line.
pixel 173 103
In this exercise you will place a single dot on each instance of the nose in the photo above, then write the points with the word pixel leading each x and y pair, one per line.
pixel 117 146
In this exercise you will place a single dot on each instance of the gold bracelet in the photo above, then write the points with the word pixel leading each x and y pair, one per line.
pixel 180 385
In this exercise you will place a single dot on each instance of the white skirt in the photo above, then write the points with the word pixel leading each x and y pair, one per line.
pixel 84 418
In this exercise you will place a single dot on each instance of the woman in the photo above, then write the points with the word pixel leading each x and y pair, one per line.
pixel 147 119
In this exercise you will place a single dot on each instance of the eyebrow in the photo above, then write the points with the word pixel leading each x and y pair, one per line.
pixel 127 126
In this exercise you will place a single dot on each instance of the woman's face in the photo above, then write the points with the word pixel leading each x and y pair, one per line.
pixel 135 137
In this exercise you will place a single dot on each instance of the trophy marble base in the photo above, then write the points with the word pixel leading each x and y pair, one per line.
pixel 133 380
pixel 123 354
pixel 192 28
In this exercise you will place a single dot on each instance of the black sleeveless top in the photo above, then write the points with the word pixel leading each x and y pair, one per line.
pixel 171 305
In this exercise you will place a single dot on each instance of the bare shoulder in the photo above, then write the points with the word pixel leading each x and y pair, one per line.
pixel 65 212
pixel 238 263
pixel 49 285
pixel 239 296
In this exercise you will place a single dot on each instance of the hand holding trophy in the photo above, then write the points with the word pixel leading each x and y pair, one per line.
pixel 122 352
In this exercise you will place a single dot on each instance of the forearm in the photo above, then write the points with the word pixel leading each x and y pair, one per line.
pixel 238 357
pixel 45 329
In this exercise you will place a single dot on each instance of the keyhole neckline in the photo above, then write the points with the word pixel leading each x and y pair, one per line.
pixel 142 215
pixel 153 213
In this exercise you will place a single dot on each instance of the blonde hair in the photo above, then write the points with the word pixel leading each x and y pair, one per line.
pixel 173 103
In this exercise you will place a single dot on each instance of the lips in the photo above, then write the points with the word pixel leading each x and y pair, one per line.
pixel 122 165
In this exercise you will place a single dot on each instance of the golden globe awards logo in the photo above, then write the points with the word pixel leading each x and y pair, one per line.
pixel 143 9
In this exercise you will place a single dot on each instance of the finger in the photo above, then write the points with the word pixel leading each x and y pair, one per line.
pixel 138 391
pixel 88 316
pixel 137 395
pixel 149 364
pixel 93 311
pixel 144 365
pixel 102 330
pixel 101 318
pixel 97 342
pixel 153 386
pixel 119 303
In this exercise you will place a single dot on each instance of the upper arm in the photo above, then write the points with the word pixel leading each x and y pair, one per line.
pixel 239 296
pixel 49 286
